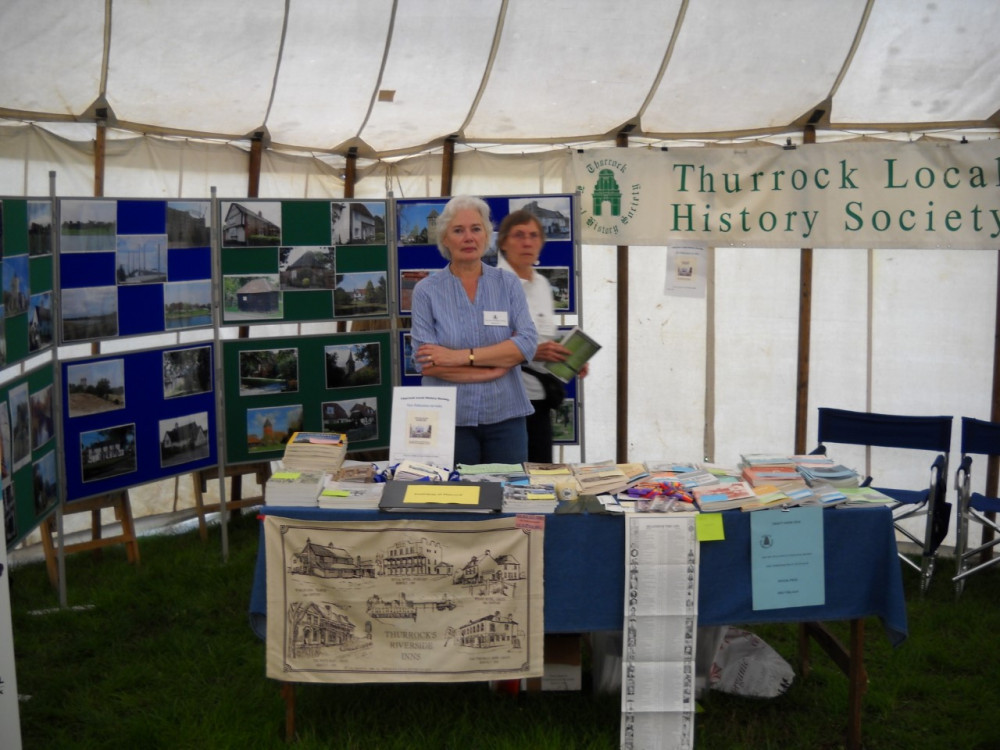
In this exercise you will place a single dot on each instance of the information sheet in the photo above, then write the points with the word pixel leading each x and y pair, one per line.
pixel 423 425
pixel 661 608
pixel 786 558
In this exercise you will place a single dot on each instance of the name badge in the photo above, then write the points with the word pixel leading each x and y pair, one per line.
pixel 494 317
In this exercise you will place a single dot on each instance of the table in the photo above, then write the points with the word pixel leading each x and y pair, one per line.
pixel 862 576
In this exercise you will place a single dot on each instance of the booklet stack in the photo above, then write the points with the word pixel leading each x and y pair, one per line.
pixel 600 478
pixel 293 488
pixel 529 497
pixel 723 496
pixel 822 470
pixel 350 495
pixel 414 471
pixel 315 451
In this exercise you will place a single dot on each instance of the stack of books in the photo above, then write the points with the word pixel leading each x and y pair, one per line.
pixel 723 496
pixel 529 497
pixel 293 488
pixel 349 495
pixel 600 478
pixel 783 476
pixel 315 451
pixel 823 470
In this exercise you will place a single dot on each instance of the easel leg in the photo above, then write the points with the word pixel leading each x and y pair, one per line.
pixel 288 693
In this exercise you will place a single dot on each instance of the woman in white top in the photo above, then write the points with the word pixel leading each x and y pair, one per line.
pixel 520 240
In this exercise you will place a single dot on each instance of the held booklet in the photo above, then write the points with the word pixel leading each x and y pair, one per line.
pixel 455 497
pixel 582 348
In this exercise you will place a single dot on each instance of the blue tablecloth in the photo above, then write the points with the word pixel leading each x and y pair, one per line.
pixel 585 560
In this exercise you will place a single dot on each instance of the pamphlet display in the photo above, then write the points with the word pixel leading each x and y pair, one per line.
pixel 29 480
pixel 137 417
pixel 286 261
pixel 329 383
pixel 133 267
pixel 26 323
pixel 423 425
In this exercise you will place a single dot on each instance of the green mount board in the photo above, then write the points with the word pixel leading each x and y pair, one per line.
pixel 263 406
pixel 30 484
pixel 28 331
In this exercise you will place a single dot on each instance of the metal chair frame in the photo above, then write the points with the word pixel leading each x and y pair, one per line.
pixel 979 437
pixel 928 433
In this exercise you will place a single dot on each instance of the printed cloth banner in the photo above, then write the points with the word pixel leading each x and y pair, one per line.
pixel 866 195
pixel 403 601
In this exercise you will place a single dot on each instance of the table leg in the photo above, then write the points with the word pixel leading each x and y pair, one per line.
pixel 288 693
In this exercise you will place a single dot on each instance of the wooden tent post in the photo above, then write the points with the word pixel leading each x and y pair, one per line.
pixel 621 419
pixel 805 325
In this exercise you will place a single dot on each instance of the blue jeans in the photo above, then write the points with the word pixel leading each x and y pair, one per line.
pixel 501 443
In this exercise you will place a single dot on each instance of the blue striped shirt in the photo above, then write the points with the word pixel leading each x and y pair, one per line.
pixel 442 314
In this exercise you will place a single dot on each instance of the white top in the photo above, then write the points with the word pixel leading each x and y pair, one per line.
pixel 538 292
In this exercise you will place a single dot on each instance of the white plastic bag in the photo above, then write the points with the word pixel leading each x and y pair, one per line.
pixel 746 665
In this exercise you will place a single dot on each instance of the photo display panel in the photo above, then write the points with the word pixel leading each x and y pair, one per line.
pixel 26 242
pixel 418 255
pixel 136 417
pixel 132 267
pixel 328 383
pixel 301 260
pixel 29 479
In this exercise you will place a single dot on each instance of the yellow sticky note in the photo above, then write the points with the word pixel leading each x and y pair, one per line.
pixel 335 493
pixel 433 492
pixel 708 527
pixel 286 475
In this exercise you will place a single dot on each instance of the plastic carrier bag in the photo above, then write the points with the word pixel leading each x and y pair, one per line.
pixel 746 665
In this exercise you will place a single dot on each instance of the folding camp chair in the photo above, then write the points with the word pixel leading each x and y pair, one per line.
pixel 907 432
pixel 978 436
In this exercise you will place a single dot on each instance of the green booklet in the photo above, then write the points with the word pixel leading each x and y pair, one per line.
pixel 582 348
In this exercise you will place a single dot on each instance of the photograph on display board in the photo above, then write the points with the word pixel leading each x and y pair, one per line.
pixel 9 513
pixel 39 227
pixel 269 371
pixel 251 224
pixel 417 223
pixel 88 226
pixel 89 313
pixel 45 483
pixel 42 420
pixel 16 291
pixel 361 294
pixel 187 371
pixel 3 339
pixel 107 452
pixel 40 321
pixel 94 387
pixel 187 304
pixel 356 417
pixel 269 427
pixel 5 445
pixel 409 363
pixel 251 297
pixel 20 426
pixel 357 222
pixel 141 259
pixel 189 224
pixel 407 280
pixel 564 422
pixel 558 278
pixel 302 268
pixel 184 439
pixel 555 214
pixel 349 365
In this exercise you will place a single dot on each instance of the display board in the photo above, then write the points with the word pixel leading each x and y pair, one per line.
pixel 137 417
pixel 286 261
pixel 28 470
pixel 27 322
pixel 330 383
pixel 417 254
pixel 132 267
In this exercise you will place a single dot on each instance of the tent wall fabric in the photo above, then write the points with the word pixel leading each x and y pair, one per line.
pixel 181 90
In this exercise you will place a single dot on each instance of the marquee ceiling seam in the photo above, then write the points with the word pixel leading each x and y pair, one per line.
pixel 501 19
pixel 381 70
pixel 849 58
pixel 277 65
pixel 667 55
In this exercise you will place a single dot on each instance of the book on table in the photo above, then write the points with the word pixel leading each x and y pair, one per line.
pixel 723 496
pixel 293 488
pixel 456 497
pixel 315 451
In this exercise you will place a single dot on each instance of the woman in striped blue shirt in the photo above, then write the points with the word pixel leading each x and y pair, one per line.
pixel 472 329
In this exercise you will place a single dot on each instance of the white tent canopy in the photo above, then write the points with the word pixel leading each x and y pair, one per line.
pixel 181 89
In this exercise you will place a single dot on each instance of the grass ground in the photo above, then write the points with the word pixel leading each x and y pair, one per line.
pixel 161 655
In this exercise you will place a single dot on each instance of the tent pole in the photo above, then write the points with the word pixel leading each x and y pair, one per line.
pixel 447 165
pixel 805 325
pixel 100 150
pixel 621 419
pixel 993 462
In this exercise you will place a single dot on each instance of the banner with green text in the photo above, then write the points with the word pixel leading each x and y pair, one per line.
pixel 858 194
